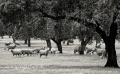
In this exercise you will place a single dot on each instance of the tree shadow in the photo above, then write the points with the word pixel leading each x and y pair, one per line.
pixel 79 67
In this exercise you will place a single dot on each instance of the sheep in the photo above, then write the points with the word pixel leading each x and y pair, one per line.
pixel 7 44
pixel 53 50
pixel 71 41
pixel 37 50
pixel 44 52
pixel 90 50
pixel 13 46
pixel 101 52
pixel 76 49
pixel 16 52
pixel 27 51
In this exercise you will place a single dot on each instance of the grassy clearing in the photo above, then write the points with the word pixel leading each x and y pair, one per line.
pixel 66 63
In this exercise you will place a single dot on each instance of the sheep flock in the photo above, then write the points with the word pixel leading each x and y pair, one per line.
pixel 44 51
pixel 12 47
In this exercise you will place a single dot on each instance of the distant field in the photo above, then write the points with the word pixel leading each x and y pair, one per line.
pixel 66 63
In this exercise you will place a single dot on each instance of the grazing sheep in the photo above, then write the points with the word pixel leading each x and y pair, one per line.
pixel 90 50
pixel 13 46
pixel 7 44
pixel 44 52
pixel 16 52
pixel 37 50
pixel 53 50
pixel 101 52
pixel 27 52
pixel 76 49
pixel 71 41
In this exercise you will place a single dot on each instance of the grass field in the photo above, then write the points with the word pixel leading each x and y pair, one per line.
pixel 66 63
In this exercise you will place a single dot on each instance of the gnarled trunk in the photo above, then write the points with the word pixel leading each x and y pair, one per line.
pixel 110 46
pixel 109 43
pixel 83 44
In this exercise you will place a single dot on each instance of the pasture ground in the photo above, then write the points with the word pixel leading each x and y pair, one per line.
pixel 66 63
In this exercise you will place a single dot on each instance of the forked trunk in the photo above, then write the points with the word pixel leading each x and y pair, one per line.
pixel 109 43
pixel 83 44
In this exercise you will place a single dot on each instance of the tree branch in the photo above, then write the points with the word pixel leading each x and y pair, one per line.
pixel 115 14
pixel 57 17
pixel 99 31
pixel 54 40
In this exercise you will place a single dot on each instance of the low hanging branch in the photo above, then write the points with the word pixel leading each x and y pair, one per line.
pixel 57 17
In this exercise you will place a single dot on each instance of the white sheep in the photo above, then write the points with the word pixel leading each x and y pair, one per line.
pixel 16 52
pixel 90 50
pixel 44 52
pixel 27 52
pixel 101 52
pixel 37 50
pixel 76 49
pixel 53 50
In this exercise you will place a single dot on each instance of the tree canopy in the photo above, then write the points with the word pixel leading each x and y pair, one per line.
pixel 99 15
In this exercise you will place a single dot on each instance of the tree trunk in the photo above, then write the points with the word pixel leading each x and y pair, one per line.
pixel 109 43
pixel 58 42
pixel 110 46
pixel 13 39
pixel 83 45
pixel 25 41
pixel 48 43
pixel 29 43
pixel 110 49
pixel 59 46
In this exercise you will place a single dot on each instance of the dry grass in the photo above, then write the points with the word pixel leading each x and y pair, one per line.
pixel 66 63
